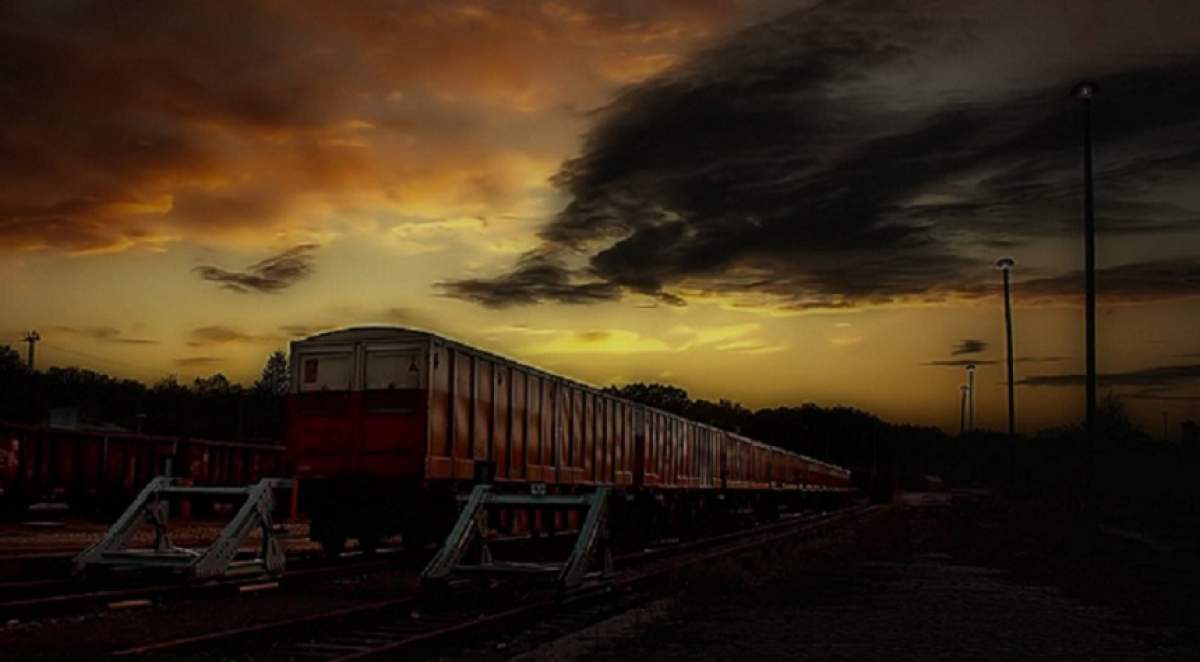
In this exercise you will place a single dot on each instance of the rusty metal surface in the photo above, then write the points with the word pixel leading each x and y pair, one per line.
pixel 524 425
pixel 98 469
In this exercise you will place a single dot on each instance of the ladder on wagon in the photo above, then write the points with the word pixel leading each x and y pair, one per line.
pixel 591 546
pixel 217 560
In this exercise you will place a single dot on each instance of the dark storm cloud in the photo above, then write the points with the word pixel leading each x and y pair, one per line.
pixel 1040 359
pixel 1156 377
pixel 107 108
pixel 960 363
pixel 781 163
pixel 271 275
pixel 537 277
pixel 125 124
pixel 1140 281
pixel 969 346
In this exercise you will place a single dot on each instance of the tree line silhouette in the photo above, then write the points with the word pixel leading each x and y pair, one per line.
pixel 1132 470
pixel 209 407
pixel 1135 475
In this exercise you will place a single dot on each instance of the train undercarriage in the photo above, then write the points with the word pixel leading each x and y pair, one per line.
pixel 370 511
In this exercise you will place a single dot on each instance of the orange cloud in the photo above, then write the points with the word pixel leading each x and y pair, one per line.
pixel 270 122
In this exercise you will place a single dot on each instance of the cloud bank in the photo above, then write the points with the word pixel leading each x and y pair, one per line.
pixel 859 153
pixel 143 124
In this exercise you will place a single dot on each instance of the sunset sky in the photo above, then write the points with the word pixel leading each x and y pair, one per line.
pixel 763 201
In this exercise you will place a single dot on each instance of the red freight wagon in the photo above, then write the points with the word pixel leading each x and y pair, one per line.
pixel 98 470
pixel 387 425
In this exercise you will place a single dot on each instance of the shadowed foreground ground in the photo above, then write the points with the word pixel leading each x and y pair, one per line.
pixel 976 580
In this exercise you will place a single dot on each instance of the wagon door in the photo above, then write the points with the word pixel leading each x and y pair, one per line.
pixel 394 408
pixel 321 428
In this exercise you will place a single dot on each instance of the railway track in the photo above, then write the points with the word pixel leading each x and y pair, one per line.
pixel 58 595
pixel 410 627
pixel 18 567
pixel 40 598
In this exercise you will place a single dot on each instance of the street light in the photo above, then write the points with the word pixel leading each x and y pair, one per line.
pixel 1085 92
pixel 971 396
pixel 31 337
pixel 1005 265
pixel 962 410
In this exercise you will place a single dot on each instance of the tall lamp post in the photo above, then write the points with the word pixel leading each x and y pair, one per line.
pixel 31 338
pixel 970 396
pixel 1005 265
pixel 1085 91
pixel 962 410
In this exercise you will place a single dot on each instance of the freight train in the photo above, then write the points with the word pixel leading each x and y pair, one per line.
pixel 102 471
pixel 387 427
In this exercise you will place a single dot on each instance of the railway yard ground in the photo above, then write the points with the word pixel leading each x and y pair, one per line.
pixel 936 576
pixel 966 577
pixel 49 535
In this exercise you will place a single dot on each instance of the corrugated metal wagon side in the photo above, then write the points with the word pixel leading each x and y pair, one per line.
pixel 101 471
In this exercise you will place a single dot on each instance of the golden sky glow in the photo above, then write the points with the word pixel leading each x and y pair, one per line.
pixel 184 191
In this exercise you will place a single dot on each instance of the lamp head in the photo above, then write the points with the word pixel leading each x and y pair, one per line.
pixel 1085 90
pixel 970 367
pixel 1005 263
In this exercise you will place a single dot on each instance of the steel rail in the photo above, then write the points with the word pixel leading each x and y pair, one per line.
pixel 73 596
pixel 761 535
pixel 388 640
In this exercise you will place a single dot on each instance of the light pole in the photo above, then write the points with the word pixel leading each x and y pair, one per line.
pixel 32 338
pixel 962 410
pixel 1005 265
pixel 971 396
pixel 1085 91
pixel 1166 436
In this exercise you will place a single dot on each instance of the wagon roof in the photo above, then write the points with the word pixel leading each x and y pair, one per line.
pixel 366 332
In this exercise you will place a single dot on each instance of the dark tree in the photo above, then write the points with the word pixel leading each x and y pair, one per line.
pixel 663 396
pixel 275 375
pixel 17 400
pixel 217 384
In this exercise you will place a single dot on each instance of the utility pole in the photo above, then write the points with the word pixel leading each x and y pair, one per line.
pixel 32 337
pixel 1005 265
pixel 1085 91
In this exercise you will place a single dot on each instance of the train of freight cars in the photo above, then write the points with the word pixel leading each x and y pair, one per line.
pixel 387 426
pixel 102 471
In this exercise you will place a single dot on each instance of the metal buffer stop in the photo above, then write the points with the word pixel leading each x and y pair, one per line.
pixel 472 526
pixel 218 560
